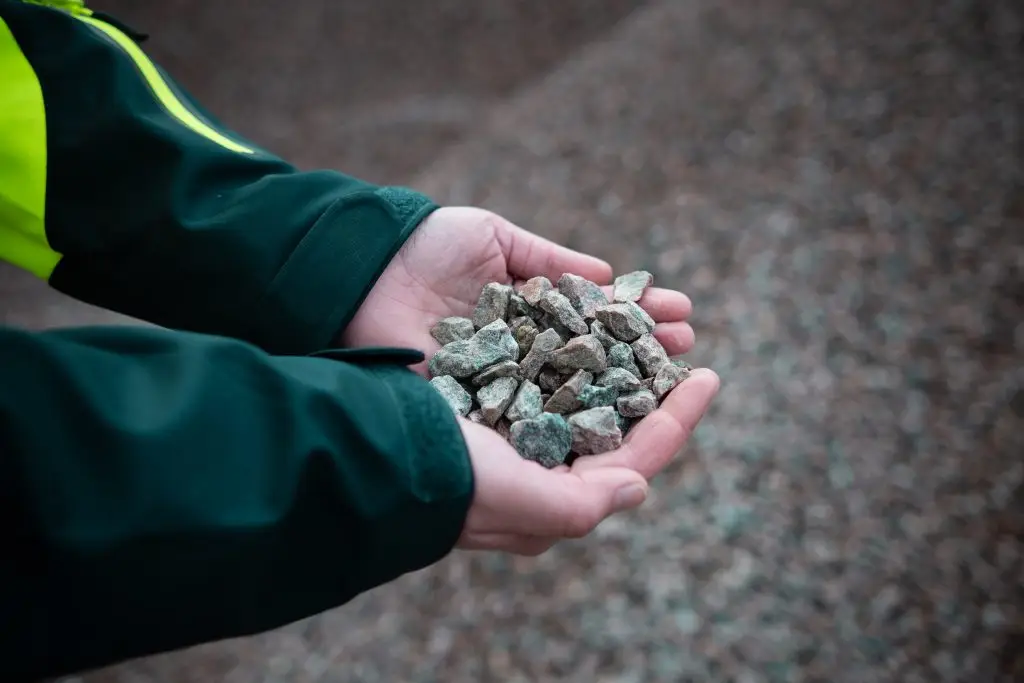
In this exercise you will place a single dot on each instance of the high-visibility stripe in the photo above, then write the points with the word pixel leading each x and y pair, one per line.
pixel 22 162
pixel 160 88
pixel 73 6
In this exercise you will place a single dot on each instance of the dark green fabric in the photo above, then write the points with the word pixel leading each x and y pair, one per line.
pixel 160 489
pixel 157 222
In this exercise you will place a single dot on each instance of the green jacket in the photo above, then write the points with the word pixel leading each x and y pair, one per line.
pixel 227 472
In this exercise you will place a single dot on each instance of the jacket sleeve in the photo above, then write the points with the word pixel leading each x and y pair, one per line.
pixel 160 489
pixel 121 192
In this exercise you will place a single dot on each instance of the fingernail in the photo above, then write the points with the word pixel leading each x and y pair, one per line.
pixel 629 496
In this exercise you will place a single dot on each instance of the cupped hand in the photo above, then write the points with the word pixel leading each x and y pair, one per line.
pixel 522 508
pixel 441 269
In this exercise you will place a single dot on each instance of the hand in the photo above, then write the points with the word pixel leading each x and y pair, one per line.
pixel 441 269
pixel 523 508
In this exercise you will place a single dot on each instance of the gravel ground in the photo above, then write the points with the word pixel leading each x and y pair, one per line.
pixel 839 187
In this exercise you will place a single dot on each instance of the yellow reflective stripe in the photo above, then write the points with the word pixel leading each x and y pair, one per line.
pixel 22 162
pixel 161 89
pixel 73 6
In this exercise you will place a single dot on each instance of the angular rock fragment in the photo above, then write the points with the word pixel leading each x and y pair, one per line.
pixel 496 397
pixel 625 321
pixel 448 330
pixel 534 289
pixel 631 286
pixel 618 378
pixel 504 428
pixel 498 333
pixel 681 363
pixel 544 398
pixel 525 337
pixel 595 431
pixel 636 403
pixel 625 423
pixel 517 306
pixel 545 439
pixel 545 343
pixel 566 398
pixel 592 396
pixel 452 392
pixel 620 355
pixel 555 303
pixel 668 378
pixel 505 368
pixel 648 383
pixel 476 417
pixel 520 321
pixel 580 353
pixel 527 404
pixel 550 379
pixel 466 357
pixel 549 322
pixel 492 304
pixel 602 334
pixel 585 296
pixel 650 355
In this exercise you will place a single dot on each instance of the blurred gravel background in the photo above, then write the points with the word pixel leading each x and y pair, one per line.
pixel 838 185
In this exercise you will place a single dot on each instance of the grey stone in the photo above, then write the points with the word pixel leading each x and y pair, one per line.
pixel 534 289
pixel 498 333
pixel 636 403
pixel 595 431
pixel 517 306
pixel 580 353
pixel 504 428
pixel 668 377
pixel 650 355
pixel 545 343
pixel 496 397
pixel 550 322
pixel 618 378
pixel 625 423
pixel 527 403
pixel 550 379
pixel 648 383
pixel 448 330
pixel 565 399
pixel 602 334
pixel 458 398
pixel 525 337
pixel 592 396
pixel 545 439
pixel 520 321
pixel 679 362
pixel 466 357
pixel 492 304
pixel 625 321
pixel 544 398
pixel 620 355
pixel 585 296
pixel 505 368
pixel 555 303
pixel 476 417
pixel 631 286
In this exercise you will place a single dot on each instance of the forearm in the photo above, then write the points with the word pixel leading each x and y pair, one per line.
pixel 166 489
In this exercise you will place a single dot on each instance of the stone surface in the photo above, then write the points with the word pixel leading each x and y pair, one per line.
pixel 458 398
pixel 466 357
pixel 595 431
pixel 534 289
pixel 585 296
pixel 476 417
pixel 527 403
pixel 545 343
pixel 504 428
pixel 566 398
pixel 636 404
pixel 650 355
pixel 505 368
pixel 525 336
pixel 550 379
pixel 498 333
pixel 496 397
pixel 602 334
pixel 546 439
pixel 625 321
pixel 670 376
pixel 620 355
pixel 618 378
pixel 580 353
pixel 517 307
pixel 448 330
pixel 631 286
pixel 592 396
pixel 557 305
pixel 492 305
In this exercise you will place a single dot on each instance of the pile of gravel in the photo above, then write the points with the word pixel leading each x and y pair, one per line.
pixel 558 371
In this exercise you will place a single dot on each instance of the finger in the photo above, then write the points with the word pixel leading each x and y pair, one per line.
pixel 652 443
pixel 675 337
pixel 530 255
pixel 564 504
pixel 517 544
pixel 664 305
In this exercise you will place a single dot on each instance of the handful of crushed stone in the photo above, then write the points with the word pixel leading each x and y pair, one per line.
pixel 558 370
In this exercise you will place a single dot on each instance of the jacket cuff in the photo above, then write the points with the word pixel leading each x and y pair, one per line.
pixel 329 274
